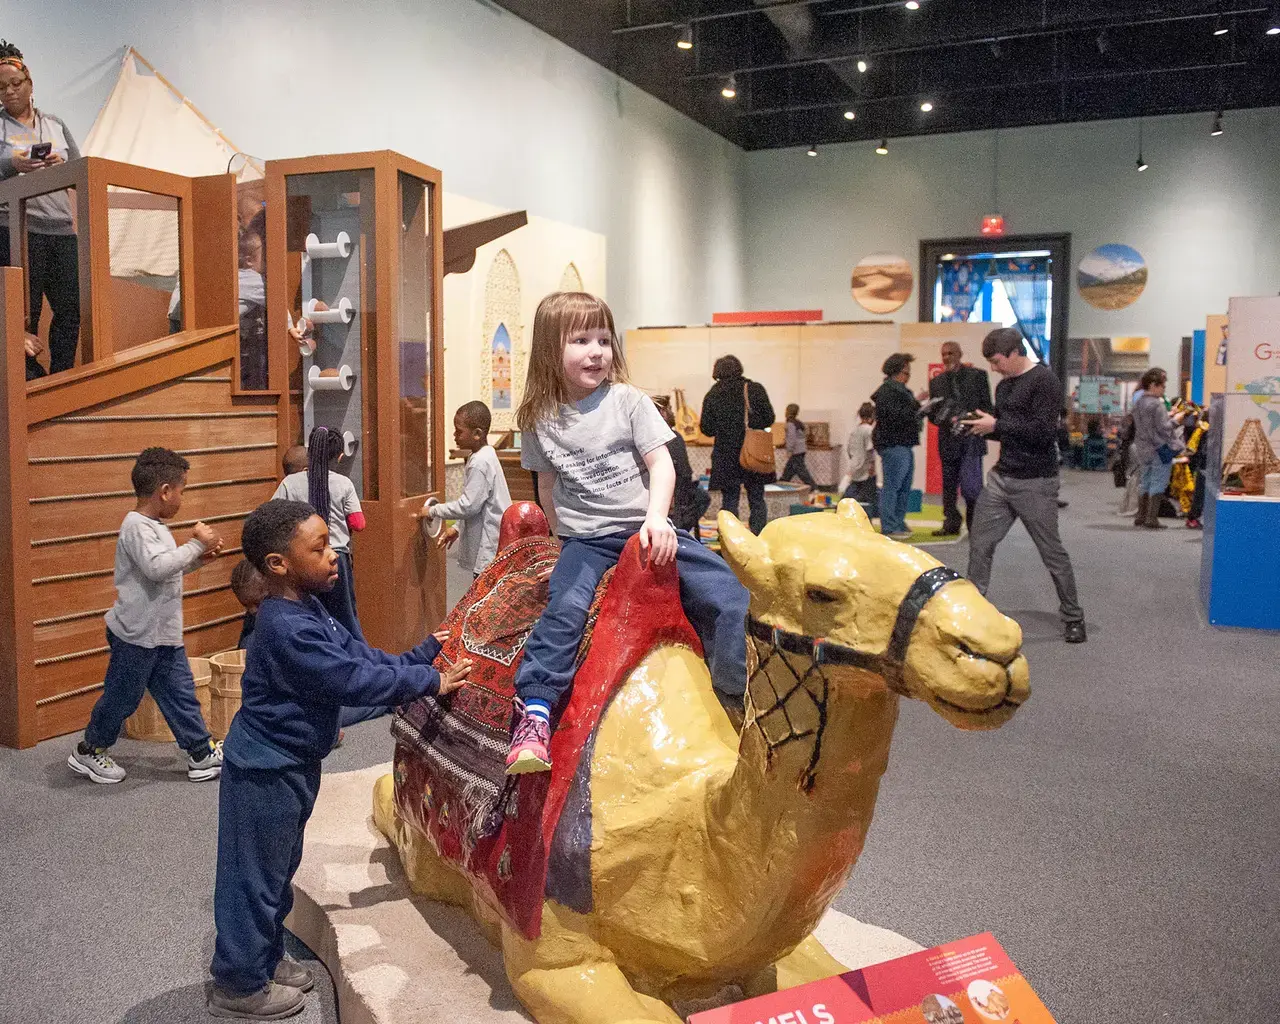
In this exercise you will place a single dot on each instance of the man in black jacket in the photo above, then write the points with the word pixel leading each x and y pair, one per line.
pixel 958 390
pixel 1024 483
pixel 897 432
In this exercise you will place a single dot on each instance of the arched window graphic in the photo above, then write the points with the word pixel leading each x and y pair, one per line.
pixel 502 355
pixel 500 370
pixel 571 280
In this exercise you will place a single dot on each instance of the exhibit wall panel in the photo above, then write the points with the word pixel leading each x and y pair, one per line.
pixel 512 117
pixel 661 359
pixel 1202 216
pixel 1215 372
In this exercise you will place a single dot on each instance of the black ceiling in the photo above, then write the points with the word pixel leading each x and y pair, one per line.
pixel 982 63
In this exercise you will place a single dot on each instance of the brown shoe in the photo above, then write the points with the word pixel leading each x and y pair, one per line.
pixel 293 974
pixel 271 1002
pixel 1152 522
pixel 1140 518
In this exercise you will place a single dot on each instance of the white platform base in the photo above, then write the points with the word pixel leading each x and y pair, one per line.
pixel 398 959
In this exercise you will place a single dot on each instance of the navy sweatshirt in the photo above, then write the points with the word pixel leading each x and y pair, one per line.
pixel 300 670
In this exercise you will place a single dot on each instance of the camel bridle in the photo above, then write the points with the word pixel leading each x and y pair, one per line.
pixel 774 644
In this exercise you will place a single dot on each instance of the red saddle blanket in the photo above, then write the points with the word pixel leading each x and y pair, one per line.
pixel 528 837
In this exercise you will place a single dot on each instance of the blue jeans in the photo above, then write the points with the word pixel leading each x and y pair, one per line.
pixel 262 814
pixel 899 464
pixel 1155 476
pixel 713 599
pixel 132 671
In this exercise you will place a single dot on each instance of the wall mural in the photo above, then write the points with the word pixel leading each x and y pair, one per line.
pixel 1112 276
pixel 882 282
pixel 502 355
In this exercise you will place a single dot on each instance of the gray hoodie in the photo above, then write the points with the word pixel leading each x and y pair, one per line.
pixel 49 214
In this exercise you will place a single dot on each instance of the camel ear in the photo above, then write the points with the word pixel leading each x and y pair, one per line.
pixel 853 510
pixel 746 553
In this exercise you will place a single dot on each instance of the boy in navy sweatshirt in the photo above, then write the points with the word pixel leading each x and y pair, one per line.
pixel 301 668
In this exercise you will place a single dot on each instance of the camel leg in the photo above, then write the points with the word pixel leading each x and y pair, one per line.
pixel 566 977
pixel 809 961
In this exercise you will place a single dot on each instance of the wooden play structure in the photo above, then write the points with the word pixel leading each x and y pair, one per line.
pixel 71 438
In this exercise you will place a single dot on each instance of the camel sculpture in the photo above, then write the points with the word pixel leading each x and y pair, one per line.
pixel 714 850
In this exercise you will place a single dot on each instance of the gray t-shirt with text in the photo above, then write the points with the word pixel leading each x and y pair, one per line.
pixel 596 448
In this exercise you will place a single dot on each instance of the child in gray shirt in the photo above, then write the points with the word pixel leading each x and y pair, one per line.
pixel 144 627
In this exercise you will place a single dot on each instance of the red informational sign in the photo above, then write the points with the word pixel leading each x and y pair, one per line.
pixel 932 464
pixel 993 224
pixel 768 316
pixel 972 981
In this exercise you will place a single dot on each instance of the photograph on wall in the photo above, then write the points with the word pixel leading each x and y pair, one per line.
pixel 882 282
pixel 1112 276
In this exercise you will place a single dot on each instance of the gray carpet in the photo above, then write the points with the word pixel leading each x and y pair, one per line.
pixel 1119 836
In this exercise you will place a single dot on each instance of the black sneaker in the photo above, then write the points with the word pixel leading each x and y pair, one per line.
pixel 1073 633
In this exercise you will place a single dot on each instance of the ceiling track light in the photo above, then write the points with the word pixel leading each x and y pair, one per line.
pixel 685 39
pixel 811 151
pixel 1216 130
pixel 1219 29
pixel 862 66
pixel 926 106
pixel 1103 42
pixel 1141 163
pixel 997 51
pixel 730 88
pixel 912 5
pixel 850 114
pixel 883 148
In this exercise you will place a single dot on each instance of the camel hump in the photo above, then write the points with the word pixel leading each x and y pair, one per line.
pixel 522 519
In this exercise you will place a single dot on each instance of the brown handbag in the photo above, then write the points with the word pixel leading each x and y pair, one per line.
pixel 757 445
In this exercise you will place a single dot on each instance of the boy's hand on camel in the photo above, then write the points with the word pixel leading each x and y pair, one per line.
pixel 441 635
pixel 657 542
pixel 451 678
pixel 447 537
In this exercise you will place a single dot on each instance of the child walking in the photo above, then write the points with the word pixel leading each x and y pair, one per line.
pixel 300 669
pixel 310 477
pixel 144 626
pixel 862 461
pixel 599 449
pixel 484 493
pixel 796 448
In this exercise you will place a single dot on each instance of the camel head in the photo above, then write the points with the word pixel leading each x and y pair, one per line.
pixel 888 612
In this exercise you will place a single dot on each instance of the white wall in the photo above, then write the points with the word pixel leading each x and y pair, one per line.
pixel 1204 215
pixel 510 116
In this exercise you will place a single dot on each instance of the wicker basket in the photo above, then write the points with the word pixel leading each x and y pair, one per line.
pixel 147 723
pixel 224 689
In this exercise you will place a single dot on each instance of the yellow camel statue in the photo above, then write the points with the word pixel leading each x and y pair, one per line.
pixel 714 854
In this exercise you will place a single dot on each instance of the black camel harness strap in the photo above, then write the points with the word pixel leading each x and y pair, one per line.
pixel 822 653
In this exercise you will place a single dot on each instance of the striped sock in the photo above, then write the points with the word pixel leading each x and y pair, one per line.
pixel 538 709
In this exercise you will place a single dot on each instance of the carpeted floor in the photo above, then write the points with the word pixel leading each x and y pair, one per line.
pixel 1120 836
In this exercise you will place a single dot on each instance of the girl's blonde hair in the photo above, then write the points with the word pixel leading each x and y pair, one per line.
pixel 560 315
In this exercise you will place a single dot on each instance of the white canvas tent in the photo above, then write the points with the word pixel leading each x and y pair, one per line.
pixel 147 122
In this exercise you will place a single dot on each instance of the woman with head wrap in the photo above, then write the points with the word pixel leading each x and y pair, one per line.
pixel 31 140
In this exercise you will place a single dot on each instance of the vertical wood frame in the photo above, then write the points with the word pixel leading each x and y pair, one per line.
pixel 17 729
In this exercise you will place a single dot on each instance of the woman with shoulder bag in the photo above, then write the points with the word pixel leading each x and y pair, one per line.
pixel 734 412
pixel 1155 443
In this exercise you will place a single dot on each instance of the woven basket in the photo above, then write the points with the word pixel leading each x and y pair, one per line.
pixel 147 723
pixel 224 689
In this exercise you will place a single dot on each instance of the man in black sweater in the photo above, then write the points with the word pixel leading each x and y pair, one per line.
pixel 959 389
pixel 1024 483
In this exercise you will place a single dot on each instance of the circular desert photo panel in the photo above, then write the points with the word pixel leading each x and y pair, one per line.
pixel 941 1010
pixel 882 282
pixel 988 999
pixel 1112 276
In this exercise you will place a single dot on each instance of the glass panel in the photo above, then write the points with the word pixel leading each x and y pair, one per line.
pixel 145 300
pixel 50 254
pixel 413 320
pixel 252 283
pixel 330 235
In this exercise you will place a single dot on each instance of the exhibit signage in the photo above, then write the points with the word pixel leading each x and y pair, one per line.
pixel 972 981
pixel 1253 369
pixel 1100 395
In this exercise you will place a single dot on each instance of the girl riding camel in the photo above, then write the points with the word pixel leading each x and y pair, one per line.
pixel 599 449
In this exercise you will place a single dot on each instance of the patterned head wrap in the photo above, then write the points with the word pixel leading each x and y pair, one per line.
pixel 11 55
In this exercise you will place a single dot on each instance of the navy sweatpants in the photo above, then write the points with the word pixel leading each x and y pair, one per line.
pixel 131 671
pixel 262 814
pixel 713 599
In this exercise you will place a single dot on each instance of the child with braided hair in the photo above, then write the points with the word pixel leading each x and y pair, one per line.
pixel 334 498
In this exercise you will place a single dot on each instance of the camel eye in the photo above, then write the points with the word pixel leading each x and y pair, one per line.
pixel 820 596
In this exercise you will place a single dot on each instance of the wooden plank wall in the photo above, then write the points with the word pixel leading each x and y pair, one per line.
pixel 79 467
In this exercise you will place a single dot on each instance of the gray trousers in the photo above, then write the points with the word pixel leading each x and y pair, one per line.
pixel 1035 502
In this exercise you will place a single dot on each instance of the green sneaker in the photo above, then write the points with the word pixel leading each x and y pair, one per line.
pixel 207 767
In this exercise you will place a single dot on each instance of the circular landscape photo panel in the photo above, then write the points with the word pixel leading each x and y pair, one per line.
pixel 882 282
pixel 1112 276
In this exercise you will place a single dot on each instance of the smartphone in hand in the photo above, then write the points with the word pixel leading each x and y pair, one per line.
pixel 40 151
